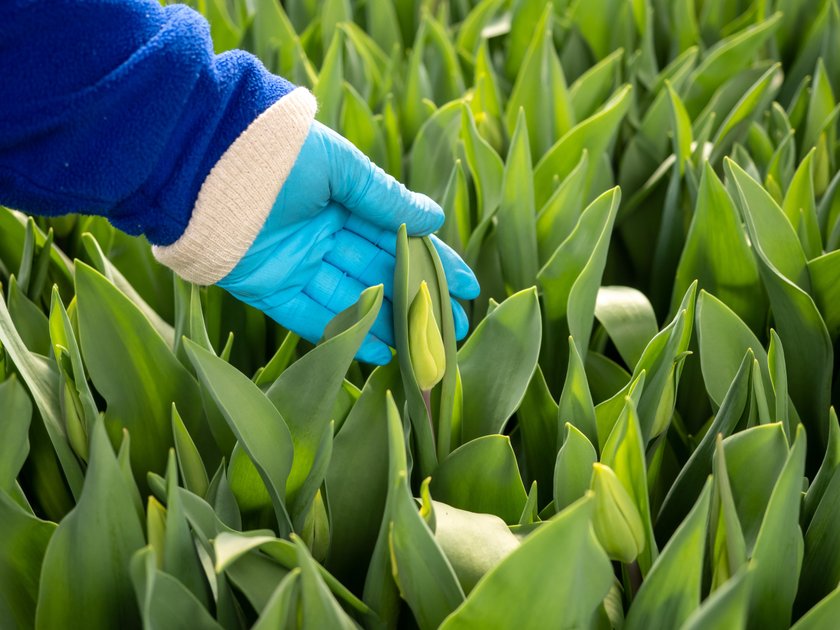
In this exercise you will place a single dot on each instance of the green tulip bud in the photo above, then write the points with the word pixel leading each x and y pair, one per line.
pixel 424 342
pixel 156 528
pixel 617 522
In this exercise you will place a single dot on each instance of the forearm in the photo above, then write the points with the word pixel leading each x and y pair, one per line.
pixel 121 109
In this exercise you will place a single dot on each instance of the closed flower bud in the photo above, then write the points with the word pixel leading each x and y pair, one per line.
pixel 617 523
pixel 424 342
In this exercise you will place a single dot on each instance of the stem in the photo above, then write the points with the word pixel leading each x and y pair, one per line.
pixel 427 399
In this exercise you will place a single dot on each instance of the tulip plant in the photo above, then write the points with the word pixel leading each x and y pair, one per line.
pixel 637 433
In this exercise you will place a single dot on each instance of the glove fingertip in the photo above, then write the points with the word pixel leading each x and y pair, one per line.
pixel 464 285
pixel 375 352
pixel 462 322
pixel 423 216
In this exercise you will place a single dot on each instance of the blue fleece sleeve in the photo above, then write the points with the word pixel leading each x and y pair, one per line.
pixel 118 108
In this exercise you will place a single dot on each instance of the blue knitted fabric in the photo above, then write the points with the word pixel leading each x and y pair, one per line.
pixel 118 108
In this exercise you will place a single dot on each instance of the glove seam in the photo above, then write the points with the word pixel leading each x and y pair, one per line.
pixel 237 195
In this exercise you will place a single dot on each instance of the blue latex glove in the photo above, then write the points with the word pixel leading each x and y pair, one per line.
pixel 331 233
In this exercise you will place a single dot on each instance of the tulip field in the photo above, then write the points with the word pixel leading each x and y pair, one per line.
pixel 638 431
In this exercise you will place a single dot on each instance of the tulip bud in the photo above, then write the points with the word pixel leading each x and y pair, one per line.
pixel 424 342
pixel 617 523
pixel 156 528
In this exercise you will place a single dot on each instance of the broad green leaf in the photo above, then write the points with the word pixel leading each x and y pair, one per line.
pixel 725 59
pixel 189 459
pixel 517 236
pixel 540 92
pixel 717 254
pixel 822 615
pixel 319 609
pixel 357 493
pixel 164 601
pixel 681 125
pixel 521 590
pixel 629 320
pixel 671 591
pixel 482 476
pixel 593 87
pixel 280 611
pixel 821 109
pixel 305 392
pixel 433 153
pixel 570 279
pixel 14 427
pixel 777 555
pixel 754 461
pixel 696 470
pixel 139 392
pixel 726 607
pixel 575 406
pixel 469 35
pixel 593 135
pixel 823 272
pixel 821 563
pixel 78 567
pixel 573 468
pixel 537 422
pixel 624 453
pixel 328 90
pixel 798 322
pixel 473 543
pixel 496 364
pixel 258 426
pixel 360 127
pixel 23 541
pixel 558 217
pixel 485 166
pixel 824 476
pixel 800 208
pixel 41 378
pixel 723 338
pixel 727 547
pixel 30 321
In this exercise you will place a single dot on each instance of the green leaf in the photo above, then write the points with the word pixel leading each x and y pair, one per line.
pixel 163 600
pixel 681 125
pixel 537 421
pixel 824 476
pixel 422 572
pixel 799 324
pixel 485 166
pixel 821 563
pixel 629 320
pixel 473 543
pixel 800 208
pixel 258 426
pixel 575 404
pixel 717 255
pixel 777 555
pixel 521 590
pixel 754 460
pixel 139 392
pixel 482 476
pixel 570 279
pixel 725 59
pixel 560 214
pixel 432 154
pixel 540 94
pixel 305 392
pixel 280 611
pixel 517 236
pixel 23 541
pixel 14 427
pixel 189 459
pixel 594 86
pixel 319 609
pixel 696 470
pixel 624 452
pixel 496 364
pixel 723 338
pixel 328 90
pixel 822 615
pixel 357 493
pixel 726 607
pixel 78 567
pixel 593 135
pixel 573 468
pixel 823 272
pixel 671 591
pixel 728 549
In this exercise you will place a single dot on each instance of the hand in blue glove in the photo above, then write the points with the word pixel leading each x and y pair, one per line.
pixel 332 233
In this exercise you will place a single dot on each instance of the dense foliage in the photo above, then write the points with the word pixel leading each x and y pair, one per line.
pixel 637 433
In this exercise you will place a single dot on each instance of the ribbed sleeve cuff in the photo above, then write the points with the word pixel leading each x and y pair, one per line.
pixel 239 192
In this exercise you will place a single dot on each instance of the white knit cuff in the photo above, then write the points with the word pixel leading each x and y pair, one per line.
pixel 237 196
